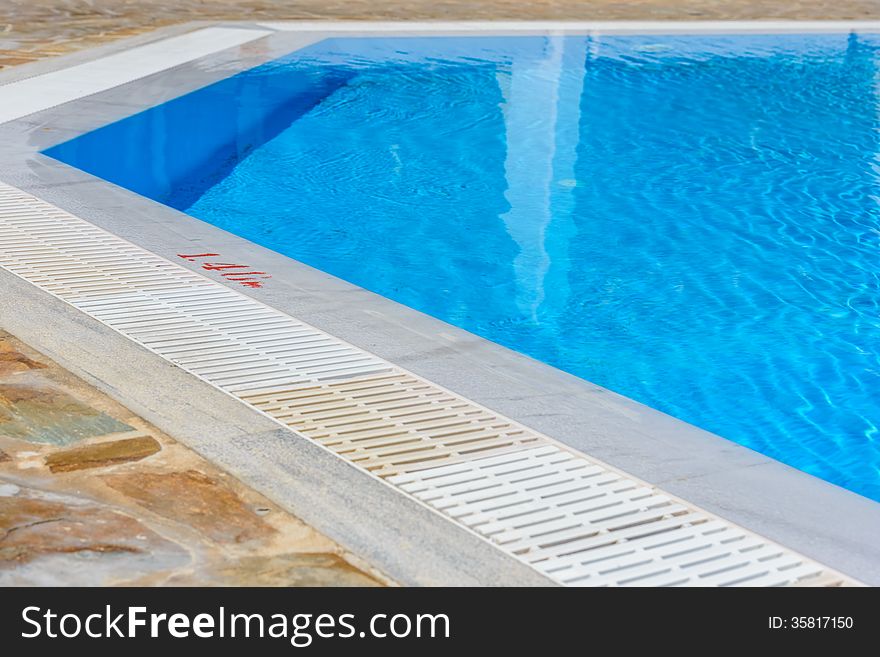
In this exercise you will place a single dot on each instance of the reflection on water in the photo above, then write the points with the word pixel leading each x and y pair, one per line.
pixel 691 221
pixel 541 109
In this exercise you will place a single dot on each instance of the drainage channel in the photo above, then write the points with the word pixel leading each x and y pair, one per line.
pixel 578 521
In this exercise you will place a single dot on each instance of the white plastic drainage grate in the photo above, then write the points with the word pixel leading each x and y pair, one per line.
pixel 572 518
pixel 393 423
pixel 583 524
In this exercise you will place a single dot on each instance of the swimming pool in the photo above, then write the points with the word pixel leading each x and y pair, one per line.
pixel 690 221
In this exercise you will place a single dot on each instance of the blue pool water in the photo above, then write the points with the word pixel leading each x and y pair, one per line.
pixel 691 221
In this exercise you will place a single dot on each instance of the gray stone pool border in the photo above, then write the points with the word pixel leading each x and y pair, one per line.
pixel 818 519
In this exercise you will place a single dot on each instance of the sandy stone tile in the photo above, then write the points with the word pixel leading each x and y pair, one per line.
pixel 14 362
pixel 192 497
pixel 319 569
pixel 103 454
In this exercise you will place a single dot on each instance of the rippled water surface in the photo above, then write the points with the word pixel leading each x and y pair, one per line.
pixel 689 221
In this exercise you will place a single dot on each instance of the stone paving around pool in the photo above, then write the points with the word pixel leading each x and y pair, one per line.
pixel 90 494
pixel 34 29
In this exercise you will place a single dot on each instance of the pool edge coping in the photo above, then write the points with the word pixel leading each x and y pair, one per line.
pixel 388 323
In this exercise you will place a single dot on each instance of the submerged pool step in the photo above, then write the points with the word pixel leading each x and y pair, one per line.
pixel 578 521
